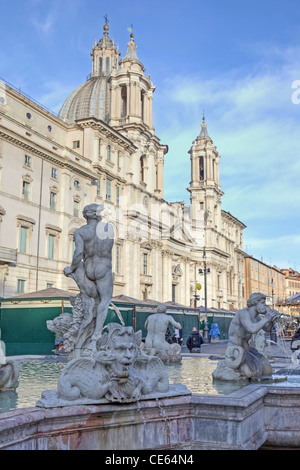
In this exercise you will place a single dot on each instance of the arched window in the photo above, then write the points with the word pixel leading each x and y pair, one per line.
pixel 100 66
pixel 107 66
pixel 123 101
pixel 201 168
pixel 142 105
pixel 142 169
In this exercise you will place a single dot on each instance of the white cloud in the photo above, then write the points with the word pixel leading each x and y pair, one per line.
pixel 277 250
pixel 255 125
pixel 55 95
pixel 44 24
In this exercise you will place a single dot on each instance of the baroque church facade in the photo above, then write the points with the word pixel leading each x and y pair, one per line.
pixel 102 148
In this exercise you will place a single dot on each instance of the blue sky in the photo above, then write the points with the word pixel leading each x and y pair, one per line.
pixel 237 60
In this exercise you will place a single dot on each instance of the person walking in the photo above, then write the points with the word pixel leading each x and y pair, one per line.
pixel 194 341
pixel 178 336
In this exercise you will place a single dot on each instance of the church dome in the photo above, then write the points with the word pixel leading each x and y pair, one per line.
pixel 91 99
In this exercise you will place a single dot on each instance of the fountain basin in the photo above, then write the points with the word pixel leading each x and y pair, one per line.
pixel 248 419
pixel 251 417
pixel 40 374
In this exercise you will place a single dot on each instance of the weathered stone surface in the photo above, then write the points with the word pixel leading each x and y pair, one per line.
pixel 9 375
pixel 247 419
pixel 119 372
pixel 91 268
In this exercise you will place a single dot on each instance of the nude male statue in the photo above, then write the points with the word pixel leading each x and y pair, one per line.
pixel 157 325
pixel 241 359
pixel 248 320
pixel 92 262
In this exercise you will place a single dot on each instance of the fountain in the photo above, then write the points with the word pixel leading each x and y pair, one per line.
pixel 113 395
pixel 103 365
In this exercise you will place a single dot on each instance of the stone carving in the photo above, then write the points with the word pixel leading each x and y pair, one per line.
pixel 119 372
pixel 243 361
pixel 155 343
pixel 9 376
pixel 60 325
pixel 258 341
pixel 91 269
pixel 9 371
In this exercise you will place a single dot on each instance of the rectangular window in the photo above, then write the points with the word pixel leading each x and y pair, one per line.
pixel 201 168
pixel 75 208
pixel 145 263
pixel 28 161
pixel 49 286
pixel 23 239
pixel 117 259
pixel 76 144
pixel 108 190
pixel 98 184
pixel 123 101
pixel 52 200
pixel 51 240
pixel 173 292
pixel 117 194
pixel 21 286
pixel 53 173
pixel 107 66
pixel 25 190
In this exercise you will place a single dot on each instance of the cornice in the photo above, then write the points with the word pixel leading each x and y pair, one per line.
pixel 233 219
pixel 108 173
pixel 114 135
pixel 49 156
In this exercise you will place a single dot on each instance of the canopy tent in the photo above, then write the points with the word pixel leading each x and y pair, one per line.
pixel 294 299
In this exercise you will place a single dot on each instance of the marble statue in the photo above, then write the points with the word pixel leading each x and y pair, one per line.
pixel 9 371
pixel 155 342
pixel 242 360
pixel 91 268
pixel 105 363
pixel 9 376
pixel 60 326
pixel 119 372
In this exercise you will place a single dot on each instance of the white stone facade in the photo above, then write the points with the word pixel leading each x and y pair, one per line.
pixel 102 148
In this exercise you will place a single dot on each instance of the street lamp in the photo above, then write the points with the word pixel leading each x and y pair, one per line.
pixel 205 271
pixel 273 335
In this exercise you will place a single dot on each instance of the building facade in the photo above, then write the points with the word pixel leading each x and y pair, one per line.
pixel 102 148
pixel 269 280
pixel 292 282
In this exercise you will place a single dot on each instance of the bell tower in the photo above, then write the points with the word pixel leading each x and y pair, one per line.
pixel 131 92
pixel 104 55
pixel 205 190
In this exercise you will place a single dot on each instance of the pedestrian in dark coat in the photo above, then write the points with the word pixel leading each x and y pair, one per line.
pixel 194 340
